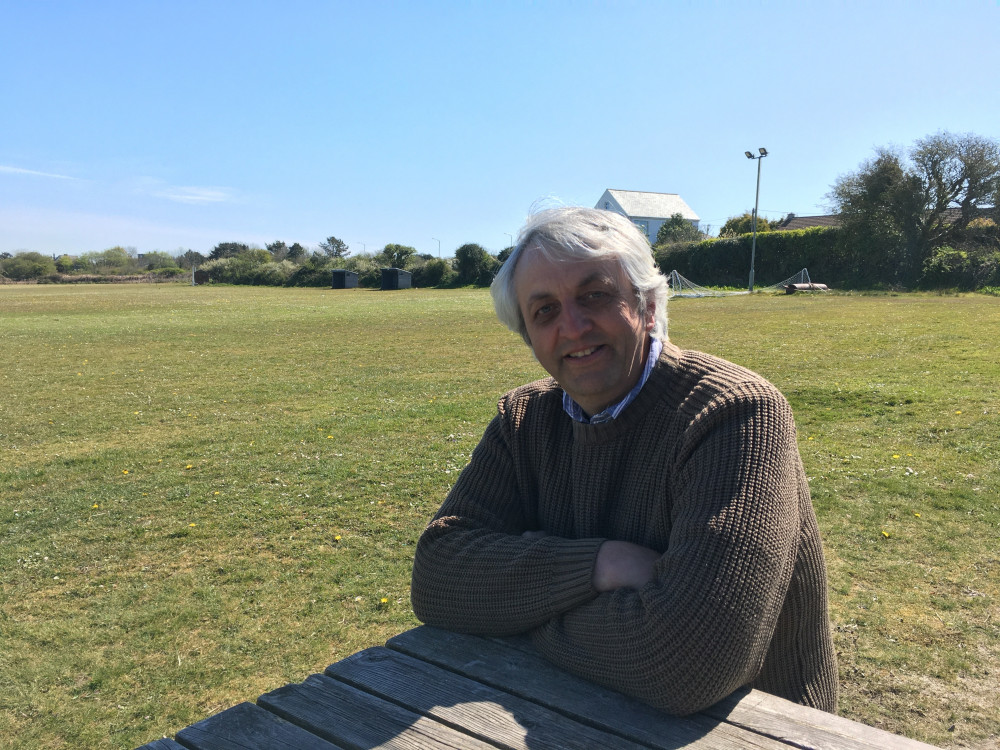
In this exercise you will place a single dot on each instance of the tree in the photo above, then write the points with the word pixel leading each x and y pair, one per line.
pixel 189 259
pixel 296 253
pixel 474 265
pixel 396 256
pixel 114 260
pixel 157 259
pixel 743 224
pixel 334 247
pixel 899 211
pixel 879 207
pixel 278 250
pixel 64 263
pixel 956 172
pixel 677 229
pixel 227 250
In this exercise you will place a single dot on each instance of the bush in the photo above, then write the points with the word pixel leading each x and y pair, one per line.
pixel 24 266
pixel 274 274
pixel 433 272
pixel 314 272
pixel 368 268
pixel 157 259
pixel 473 265
pixel 116 261
pixel 217 270
pixel 952 268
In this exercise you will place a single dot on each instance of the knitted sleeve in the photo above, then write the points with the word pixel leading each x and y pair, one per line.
pixel 473 571
pixel 702 628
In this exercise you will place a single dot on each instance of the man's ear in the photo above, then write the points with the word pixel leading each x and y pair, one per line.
pixel 650 319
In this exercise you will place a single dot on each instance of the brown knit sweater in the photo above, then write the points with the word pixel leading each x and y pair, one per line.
pixel 703 467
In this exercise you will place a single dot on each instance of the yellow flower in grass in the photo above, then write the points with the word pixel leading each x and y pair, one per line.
pixel 189 466
pixel 885 534
pixel 95 506
pixel 125 471
pixel 384 600
pixel 337 538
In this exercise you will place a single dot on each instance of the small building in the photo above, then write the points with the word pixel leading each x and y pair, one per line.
pixel 648 211
pixel 343 279
pixel 396 278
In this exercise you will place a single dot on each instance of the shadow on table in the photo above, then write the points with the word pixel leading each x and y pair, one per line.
pixel 383 698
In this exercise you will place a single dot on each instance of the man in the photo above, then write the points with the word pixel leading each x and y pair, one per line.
pixel 643 513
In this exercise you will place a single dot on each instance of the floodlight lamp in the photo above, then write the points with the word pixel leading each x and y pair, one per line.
pixel 763 151
pixel 749 155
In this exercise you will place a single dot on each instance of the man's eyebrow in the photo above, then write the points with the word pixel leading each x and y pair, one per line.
pixel 591 278
pixel 597 276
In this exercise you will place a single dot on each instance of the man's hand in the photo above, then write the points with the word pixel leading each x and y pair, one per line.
pixel 623 565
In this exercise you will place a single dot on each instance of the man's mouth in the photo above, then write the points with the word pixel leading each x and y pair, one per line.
pixel 582 353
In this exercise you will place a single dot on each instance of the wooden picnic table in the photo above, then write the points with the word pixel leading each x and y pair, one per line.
pixel 428 688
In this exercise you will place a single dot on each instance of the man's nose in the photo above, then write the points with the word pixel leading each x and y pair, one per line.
pixel 575 321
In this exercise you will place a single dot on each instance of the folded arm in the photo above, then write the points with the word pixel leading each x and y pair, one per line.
pixel 475 568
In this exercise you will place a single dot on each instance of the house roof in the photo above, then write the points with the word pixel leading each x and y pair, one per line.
pixel 652 205
pixel 802 222
pixel 950 216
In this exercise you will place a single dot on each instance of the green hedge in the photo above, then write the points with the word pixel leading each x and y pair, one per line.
pixel 726 261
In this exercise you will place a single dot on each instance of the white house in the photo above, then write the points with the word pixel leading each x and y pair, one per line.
pixel 648 210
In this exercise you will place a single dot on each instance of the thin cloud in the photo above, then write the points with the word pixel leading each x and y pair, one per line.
pixel 34 173
pixel 195 195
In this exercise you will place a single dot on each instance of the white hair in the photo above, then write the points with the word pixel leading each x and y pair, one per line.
pixel 573 233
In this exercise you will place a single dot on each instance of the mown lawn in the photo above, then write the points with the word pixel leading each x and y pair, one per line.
pixel 208 492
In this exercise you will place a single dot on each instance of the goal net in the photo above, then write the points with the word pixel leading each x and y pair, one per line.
pixel 681 287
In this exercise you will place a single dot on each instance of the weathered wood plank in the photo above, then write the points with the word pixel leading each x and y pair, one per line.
pixel 485 712
pixel 775 717
pixel 350 717
pixel 515 662
pixel 515 668
pixel 247 726
pixel 162 744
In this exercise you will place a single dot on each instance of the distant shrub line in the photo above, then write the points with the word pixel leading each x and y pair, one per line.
pixel 242 264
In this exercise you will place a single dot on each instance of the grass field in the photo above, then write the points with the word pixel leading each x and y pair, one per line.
pixel 207 492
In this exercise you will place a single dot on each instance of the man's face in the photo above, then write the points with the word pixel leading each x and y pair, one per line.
pixel 584 327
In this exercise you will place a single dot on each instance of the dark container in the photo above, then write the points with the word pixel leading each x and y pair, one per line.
pixel 396 278
pixel 343 279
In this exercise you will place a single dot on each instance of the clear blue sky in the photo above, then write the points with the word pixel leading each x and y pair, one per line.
pixel 170 125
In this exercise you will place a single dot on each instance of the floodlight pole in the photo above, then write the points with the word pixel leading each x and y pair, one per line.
pixel 756 203
pixel 439 245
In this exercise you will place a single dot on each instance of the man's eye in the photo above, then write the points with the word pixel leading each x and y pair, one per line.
pixel 542 311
